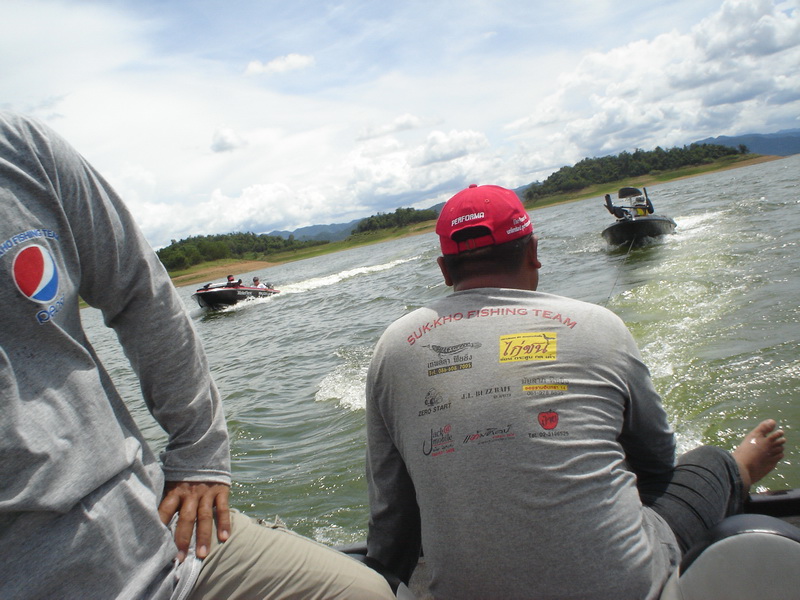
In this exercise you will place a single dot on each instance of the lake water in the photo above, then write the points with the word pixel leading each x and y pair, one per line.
pixel 714 309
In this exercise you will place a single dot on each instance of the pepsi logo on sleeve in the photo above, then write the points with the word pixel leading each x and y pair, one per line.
pixel 35 274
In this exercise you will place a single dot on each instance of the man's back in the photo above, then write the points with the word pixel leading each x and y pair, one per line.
pixel 507 408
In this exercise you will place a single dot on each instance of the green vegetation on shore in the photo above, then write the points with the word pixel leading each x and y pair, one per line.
pixel 626 165
pixel 181 256
pixel 195 250
pixel 600 189
pixel 402 217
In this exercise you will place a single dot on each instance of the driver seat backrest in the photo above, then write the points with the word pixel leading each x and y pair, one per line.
pixel 744 557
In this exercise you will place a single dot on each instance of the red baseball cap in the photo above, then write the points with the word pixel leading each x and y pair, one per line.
pixel 490 206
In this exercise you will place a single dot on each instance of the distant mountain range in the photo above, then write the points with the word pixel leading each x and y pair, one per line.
pixel 782 143
pixel 332 232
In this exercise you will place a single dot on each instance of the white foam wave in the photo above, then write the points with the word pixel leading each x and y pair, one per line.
pixel 334 278
pixel 346 383
pixel 695 225
pixel 700 219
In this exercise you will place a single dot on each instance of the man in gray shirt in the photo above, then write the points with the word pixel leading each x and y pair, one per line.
pixel 84 503
pixel 517 436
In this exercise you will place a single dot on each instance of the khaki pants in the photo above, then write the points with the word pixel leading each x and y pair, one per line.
pixel 268 561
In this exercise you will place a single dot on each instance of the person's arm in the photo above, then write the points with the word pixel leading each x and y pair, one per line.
pixel 121 275
pixel 394 523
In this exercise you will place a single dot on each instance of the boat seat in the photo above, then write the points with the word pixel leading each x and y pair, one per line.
pixel 744 557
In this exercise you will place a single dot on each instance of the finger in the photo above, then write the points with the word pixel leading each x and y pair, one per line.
pixel 205 524
pixel 223 514
pixel 185 526
pixel 168 506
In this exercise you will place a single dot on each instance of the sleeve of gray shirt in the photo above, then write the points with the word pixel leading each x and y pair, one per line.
pixel 647 436
pixel 122 276
pixel 394 537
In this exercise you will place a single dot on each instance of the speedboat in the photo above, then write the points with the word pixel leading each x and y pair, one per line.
pixel 635 219
pixel 745 556
pixel 220 295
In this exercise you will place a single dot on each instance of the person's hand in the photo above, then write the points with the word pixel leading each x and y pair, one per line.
pixel 195 501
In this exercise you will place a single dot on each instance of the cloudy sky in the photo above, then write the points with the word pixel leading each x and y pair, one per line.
pixel 255 115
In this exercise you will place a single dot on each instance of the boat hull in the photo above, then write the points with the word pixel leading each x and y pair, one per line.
pixel 220 297
pixel 637 229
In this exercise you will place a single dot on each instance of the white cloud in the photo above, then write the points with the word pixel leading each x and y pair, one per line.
pixel 749 28
pixel 282 64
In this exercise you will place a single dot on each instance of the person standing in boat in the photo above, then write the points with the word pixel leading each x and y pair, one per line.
pixel 642 206
pixel 87 510
pixel 516 436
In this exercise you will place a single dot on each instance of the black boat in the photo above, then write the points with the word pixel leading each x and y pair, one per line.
pixel 635 219
pixel 220 295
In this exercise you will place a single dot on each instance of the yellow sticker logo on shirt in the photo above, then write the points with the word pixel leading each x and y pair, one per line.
pixel 546 387
pixel 528 346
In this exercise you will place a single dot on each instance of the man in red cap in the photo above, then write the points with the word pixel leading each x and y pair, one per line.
pixel 517 437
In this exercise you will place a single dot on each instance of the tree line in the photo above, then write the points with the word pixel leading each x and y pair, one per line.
pixel 591 171
pixel 198 249
pixel 204 248
pixel 399 218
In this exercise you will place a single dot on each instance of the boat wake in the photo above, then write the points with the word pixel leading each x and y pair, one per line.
pixel 693 226
pixel 345 384
pixel 334 278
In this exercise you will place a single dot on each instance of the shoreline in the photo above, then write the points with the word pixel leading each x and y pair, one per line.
pixel 220 269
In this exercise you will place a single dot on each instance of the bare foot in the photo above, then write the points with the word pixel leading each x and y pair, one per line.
pixel 759 452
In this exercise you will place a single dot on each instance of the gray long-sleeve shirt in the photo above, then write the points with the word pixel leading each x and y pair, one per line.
pixel 79 487
pixel 506 431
